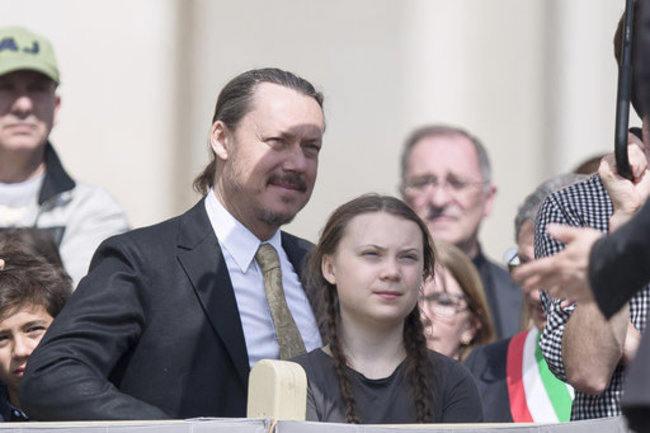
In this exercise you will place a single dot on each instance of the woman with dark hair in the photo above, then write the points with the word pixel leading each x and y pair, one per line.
pixel 369 264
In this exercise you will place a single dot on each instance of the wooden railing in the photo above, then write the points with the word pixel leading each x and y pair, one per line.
pixel 276 404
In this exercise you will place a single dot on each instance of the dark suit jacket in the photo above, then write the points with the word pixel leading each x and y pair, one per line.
pixel 152 332
pixel 619 266
pixel 504 296
pixel 488 364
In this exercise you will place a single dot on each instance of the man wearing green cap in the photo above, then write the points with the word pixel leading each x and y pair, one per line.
pixel 35 190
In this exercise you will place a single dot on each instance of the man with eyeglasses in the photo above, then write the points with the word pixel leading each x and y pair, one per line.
pixel 446 179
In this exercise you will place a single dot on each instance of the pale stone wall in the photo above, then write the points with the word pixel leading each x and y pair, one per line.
pixel 534 79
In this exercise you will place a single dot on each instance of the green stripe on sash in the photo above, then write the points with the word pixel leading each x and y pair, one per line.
pixel 555 389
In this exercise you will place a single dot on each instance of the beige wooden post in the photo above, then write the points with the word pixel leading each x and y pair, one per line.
pixel 277 389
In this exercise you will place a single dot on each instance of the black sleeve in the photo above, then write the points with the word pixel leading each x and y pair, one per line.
pixel 461 401
pixel 67 376
pixel 619 264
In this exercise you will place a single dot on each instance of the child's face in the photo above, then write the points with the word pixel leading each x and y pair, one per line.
pixel 20 333
pixel 377 269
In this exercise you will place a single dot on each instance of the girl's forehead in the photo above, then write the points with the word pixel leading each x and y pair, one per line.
pixel 382 226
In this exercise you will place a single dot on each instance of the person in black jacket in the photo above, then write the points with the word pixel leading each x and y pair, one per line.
pixel 446 178
pixel 171 317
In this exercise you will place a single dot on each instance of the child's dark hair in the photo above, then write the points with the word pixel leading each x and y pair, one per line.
pixel 329 313
pixel 29 279
pixel 33 241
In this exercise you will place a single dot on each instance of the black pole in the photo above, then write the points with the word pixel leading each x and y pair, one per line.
pixel 623 95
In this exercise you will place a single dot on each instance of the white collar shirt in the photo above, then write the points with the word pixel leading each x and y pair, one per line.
pixel 238 247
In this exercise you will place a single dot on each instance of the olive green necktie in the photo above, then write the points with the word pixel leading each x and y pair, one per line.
pixel 286 331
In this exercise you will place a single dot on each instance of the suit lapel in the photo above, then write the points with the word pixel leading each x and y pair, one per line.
pixel 200 256
pixel 297 250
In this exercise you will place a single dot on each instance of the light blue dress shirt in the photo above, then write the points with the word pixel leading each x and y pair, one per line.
pixel 238 246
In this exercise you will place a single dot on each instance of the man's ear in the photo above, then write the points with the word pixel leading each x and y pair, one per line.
pixel 328 269
pixel 489 200
pixel 220 139
pixel 57 105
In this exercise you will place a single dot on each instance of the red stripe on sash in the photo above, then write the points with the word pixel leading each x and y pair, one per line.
pixel 516 391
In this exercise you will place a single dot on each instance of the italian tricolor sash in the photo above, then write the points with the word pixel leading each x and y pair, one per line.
pixel 536 395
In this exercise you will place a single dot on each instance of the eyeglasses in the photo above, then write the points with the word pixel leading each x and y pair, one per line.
pixel 451 184
pixel 511 257
pixel 442 304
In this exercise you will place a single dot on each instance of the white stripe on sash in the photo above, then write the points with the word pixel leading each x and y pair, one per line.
pixel 539 404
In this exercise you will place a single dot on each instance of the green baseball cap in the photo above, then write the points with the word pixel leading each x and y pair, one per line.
pixel 22 49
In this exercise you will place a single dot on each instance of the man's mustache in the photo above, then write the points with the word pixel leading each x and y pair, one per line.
pixel 291 180
pixel 437 212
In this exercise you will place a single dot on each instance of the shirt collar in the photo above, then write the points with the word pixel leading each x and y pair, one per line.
pixel 233 236
pixel 8 412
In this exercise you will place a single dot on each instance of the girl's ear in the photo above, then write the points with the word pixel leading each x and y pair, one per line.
pixel 328 269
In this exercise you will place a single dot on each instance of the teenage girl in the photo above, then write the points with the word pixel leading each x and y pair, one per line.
pixel 369 266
